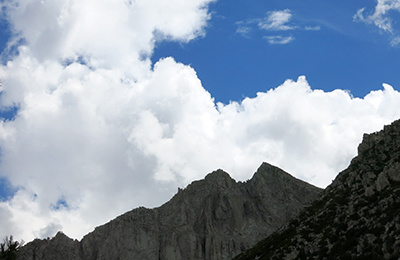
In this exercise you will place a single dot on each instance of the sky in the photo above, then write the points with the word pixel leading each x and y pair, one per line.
pixel 108 105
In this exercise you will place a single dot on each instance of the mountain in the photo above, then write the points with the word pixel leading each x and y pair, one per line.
pixel 211 219
pixel 356 217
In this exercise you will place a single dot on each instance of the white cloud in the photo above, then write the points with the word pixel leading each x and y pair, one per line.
pixel 381 17
pixel 243 28
pixel 274 21
pixel 277 21
pixel 71 138
pixel 100 137
pixel 66 29
pixel 279 39
pixel 395 41
pixel 312 28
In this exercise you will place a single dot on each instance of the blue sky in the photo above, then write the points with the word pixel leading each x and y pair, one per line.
pixel 342 54
pixel 103 100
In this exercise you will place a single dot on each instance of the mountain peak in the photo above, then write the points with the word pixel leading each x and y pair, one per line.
pixel 386 140
pixel 213 218
pixel 277 181
pixel 216 180
pixel 270 173
pixel 219 177
pixel 378 151
pixel 356 217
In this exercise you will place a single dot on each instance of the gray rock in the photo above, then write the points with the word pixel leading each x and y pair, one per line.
pixel 60 247
pixel 356 217
pixel 211 219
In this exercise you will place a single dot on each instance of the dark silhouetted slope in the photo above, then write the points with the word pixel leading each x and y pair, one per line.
pixel 356 217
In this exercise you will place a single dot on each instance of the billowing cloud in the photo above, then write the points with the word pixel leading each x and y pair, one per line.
pixel 83 82
pixel 381 17
pixel 92 29
pixel 99 130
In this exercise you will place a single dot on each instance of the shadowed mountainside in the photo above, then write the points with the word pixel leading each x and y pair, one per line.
pixel 356 217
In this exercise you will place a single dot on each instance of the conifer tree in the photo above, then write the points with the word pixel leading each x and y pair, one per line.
pixel 9 248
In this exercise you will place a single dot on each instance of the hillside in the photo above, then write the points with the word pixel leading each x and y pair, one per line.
pixel 211 219
pixel 356 217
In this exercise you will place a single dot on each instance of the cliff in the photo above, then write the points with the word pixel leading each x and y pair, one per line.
pixel 356 217
pixel 211 219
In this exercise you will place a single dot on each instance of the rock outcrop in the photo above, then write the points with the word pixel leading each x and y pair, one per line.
pixel 211 219
pixel 356 217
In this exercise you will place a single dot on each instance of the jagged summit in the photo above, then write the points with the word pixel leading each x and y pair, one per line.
pixel 356 217
pixel 376 152
pixel 216 180
pixel 219 178
pixel 212 219
pixel 271 174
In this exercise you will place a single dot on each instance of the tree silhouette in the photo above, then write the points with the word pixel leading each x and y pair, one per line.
pixel 9 248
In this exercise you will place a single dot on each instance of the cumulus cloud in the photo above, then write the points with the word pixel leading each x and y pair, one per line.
pixel 99 130
pixel 83 82
pixel 381 17
pixel 69 29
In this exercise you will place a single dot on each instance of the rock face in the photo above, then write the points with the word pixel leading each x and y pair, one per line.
pixel 356 217
pixel 212 219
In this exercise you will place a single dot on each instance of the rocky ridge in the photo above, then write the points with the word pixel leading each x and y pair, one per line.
pixel 356 217
pixel 215 218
